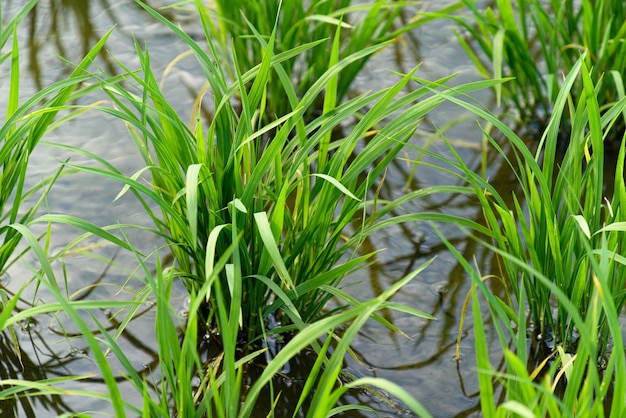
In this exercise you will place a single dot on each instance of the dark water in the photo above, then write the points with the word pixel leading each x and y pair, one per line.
pixel 423 364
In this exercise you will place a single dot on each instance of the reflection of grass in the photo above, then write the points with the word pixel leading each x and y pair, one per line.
pixel 57 18
pixel 560 253
pixel 16 366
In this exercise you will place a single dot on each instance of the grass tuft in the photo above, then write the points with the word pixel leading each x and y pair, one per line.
pixel 292 195
pixel 335 30
pixel 539 42
pixel 559 246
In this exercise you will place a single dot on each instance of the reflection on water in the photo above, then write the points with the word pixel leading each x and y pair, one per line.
pixel 67 26
pixel 50 346
pixel 60 30
pixel 27 356
pixel 424 364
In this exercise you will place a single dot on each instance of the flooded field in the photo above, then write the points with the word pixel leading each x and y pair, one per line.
pixel 423 364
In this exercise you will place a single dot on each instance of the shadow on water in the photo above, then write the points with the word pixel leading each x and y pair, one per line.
pixel 16 364
pixel 27 356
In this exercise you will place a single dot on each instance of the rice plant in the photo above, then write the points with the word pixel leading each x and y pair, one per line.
pixel 295 199
pixel 222 388
pixel 263 219
pixel 27 121
pixel 560 383
pixel 560 246
pixel 538 42
pixel 24 126
pixel 236 26
pixel 547 380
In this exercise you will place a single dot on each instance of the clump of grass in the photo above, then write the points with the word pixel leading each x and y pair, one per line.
pixel 236 27
pixel 560 384
pixel 27 121
pixel 560 247
pixel 296 203
pixel 221 390
pixel 262 219
pixel 24 126
pixel 538 42
pixel 169 390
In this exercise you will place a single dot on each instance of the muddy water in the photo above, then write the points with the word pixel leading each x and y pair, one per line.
pixel 423 364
